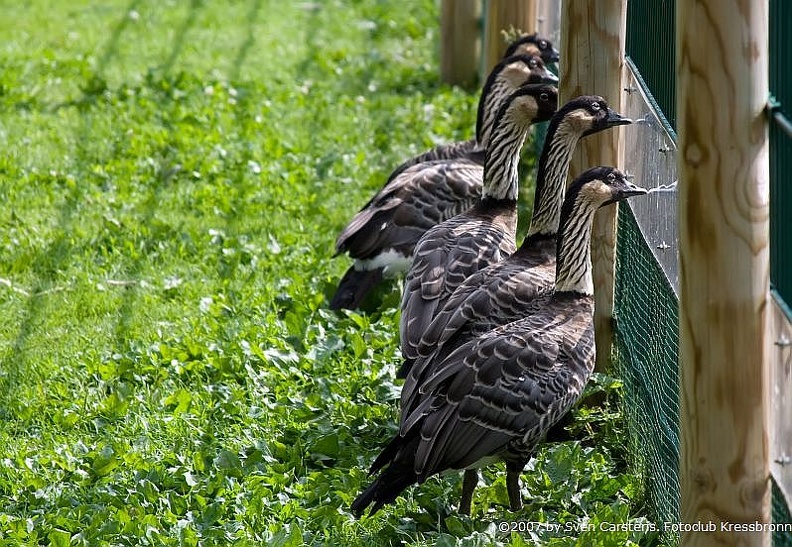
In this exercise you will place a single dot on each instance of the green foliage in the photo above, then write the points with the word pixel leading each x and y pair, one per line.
pixel 173 177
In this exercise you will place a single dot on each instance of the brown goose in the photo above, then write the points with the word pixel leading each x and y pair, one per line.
pixel 456 248
pixel 424 191
pixel 497 294
pixel 504 79
pixel 495 396
pixel 531 45
pixel 579 117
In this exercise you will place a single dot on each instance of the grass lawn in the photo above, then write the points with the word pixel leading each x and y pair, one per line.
pixel 173 175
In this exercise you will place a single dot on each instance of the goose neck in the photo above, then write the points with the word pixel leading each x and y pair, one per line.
pixel 573 254
pixel 502 159
pixel 552 172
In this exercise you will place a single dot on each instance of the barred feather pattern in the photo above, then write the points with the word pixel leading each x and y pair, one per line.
pixel 503 156
pixel 453 250
pixel 445 193
pixel 573 266
pixel 382 236
pixel 446 255
pixel 494 398
pixel 506 77
pixel 499 294
pixel 462 150
pixel 419 198
pixel 496 395
pixel 553 171
pixel 488 109
pixel 503 292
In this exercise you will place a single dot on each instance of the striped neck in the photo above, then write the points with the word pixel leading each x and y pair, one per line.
pixel 492 96
pixel 503 155
pixel 560 143
pixel 573 255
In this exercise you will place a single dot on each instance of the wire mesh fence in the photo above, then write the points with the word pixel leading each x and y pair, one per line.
pixel 646 335
pixel 646 348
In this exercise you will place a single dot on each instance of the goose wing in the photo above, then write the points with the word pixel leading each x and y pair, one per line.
pixel 469 150
pixel 500 293
pixel 417 199
pixel 443 258
pixel 496 295
pixel 503 389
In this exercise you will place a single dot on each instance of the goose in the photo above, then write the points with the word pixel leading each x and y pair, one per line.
pixel 431 317
pixel 495 396
pixel 503 80
pixel 484 234
pixel 533 44
pixel 424 191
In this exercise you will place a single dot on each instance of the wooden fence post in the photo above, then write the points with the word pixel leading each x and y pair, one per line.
pixel 722 70
pixel 459 31
pixel 500 15
pixel 592 58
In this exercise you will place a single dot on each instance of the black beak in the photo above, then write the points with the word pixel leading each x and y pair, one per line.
pixel 625 190
pixel 549 78
pixel 614 119
pixel 629 190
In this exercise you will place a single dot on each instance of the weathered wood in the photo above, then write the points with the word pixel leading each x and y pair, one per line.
pixel 499 15
pixel 459 47
pixel 781 399
pixel 723 214
pixel 548 19
pixel 592 55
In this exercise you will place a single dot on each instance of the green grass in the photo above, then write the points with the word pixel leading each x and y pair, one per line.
pixel 173 175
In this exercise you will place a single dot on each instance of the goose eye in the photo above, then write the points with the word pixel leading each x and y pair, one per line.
pixel 544 97
pixel 595 107
pixel 532 63
pixel 611 178
pixel 542 44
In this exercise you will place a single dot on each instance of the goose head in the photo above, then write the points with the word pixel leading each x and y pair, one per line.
pixel 533 44
pixel 506 77
pixel 531 102
pixel 590 191
pixel 589 114
pixel 603 185
pixel 518 69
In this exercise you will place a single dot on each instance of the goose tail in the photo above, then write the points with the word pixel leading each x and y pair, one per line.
pixel 354 286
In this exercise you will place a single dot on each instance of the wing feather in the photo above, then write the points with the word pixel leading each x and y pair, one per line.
pixel 417 199
pixel 444 257
pixel 498 394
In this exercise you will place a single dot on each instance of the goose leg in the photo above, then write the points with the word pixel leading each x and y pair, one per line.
pixel 513 488
pixel 469 482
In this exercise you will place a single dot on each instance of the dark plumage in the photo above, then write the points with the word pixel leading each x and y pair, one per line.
pixel 451 251
pixel 424 191
pixel 505 291
pixel 495 396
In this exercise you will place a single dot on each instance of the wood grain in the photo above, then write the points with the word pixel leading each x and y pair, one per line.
pixel 459 46
pixel 724 273
pixel 592 57
pixel 500 15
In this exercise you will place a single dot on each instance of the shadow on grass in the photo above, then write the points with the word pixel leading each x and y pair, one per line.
pixel 165 172
pixel 93 88
pixel 181 33
pixel 247 44
pixel 48 262
pixel 17 365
